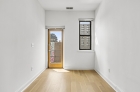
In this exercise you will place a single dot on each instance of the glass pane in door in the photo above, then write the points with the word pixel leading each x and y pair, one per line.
pixel 55 47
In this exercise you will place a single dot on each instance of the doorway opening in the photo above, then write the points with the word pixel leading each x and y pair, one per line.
pixel 55 48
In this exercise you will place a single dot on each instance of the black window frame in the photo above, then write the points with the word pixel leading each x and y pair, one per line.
pixel 85 35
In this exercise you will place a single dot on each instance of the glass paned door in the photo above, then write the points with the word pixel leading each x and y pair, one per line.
pixel 55 48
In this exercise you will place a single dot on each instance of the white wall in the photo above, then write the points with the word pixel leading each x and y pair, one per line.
pixel 21 23
pixel 117 46
pixel 73 59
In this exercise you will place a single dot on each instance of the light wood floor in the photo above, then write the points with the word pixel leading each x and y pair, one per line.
pixel 59 80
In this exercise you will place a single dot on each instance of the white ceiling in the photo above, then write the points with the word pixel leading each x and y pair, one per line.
pixel 78 5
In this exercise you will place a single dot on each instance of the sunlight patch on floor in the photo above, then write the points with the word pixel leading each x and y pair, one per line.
pixel 61 70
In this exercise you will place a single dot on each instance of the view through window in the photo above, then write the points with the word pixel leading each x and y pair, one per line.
pixel 84 35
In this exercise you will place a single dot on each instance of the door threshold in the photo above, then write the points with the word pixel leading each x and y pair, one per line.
pixel 55 68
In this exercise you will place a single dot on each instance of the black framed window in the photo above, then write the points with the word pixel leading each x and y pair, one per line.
pixel 84 35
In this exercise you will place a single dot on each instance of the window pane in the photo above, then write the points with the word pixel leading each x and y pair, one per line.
pixel 84 29
pixel 55 46
pixel 84 42
pixel 84 22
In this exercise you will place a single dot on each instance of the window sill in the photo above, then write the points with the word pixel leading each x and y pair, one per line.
pixel 85 51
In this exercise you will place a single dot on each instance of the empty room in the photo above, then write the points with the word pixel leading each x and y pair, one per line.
pixel 69 46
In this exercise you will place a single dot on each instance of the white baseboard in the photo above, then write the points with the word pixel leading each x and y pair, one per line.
pixel 78 68
pixel 23 87
pixel 116 88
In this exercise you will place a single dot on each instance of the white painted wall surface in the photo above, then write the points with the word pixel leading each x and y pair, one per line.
pixel 117 46
pixel 22 22
pixel 73 59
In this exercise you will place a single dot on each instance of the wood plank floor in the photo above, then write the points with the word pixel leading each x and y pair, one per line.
pixel 60 80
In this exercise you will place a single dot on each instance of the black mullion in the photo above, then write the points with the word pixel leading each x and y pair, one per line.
pixel 90 35
pixel 79 36
pixel 85 35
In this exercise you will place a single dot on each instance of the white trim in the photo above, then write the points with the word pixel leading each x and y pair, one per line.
pixel 86 19
pixel 67 67
pixel 85 51
pixel 116 88
pixel 46 48
pixel 50 27
pixel 23 87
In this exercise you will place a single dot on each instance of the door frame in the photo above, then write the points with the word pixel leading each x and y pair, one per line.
pixel 55 29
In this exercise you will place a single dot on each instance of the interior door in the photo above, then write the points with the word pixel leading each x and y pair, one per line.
pixel 55 48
